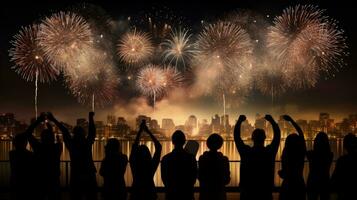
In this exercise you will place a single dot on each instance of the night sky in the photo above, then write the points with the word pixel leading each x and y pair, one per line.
pixel 336 95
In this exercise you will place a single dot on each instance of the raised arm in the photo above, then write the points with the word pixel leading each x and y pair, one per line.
pixel 136 142
pixel 296 126
pixel 65 133
pixel 91 128
pixel 276 130
pixel 158 147
pixel 32 127
pixel 237 133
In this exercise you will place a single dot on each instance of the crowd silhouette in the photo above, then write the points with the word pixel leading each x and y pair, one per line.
pixel 35 173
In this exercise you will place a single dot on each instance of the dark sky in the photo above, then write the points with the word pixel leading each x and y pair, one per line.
pixel 337 95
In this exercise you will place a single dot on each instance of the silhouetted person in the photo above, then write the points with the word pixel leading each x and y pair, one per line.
pixel 320 159
pixel 213 171
pixel 83 172
pixel 47 157
pixel 112 169
pixel 292 165
pixel 143 167
pixel 179 170
pixel 257 162
pixel 344 178
pixel 22 169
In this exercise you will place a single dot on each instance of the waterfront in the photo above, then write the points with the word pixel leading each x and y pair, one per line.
pixel 228 149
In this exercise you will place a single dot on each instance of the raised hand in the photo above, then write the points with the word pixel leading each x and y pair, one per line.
pixel 269 118
pixel 287 118
pixel 241 118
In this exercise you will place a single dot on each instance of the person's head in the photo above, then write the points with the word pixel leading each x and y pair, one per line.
pixel 79 133
pixel 47 137
pixel 178 139
pixel 20 141
pixel 350 143
pixel 294 146
pixel 321 143
pixel 258 137
pixel 143 154
pixel 112 147
pixel 214 142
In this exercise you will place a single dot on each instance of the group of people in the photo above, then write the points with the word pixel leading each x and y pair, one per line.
pixel 36 173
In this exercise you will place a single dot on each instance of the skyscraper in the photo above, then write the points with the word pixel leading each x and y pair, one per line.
pixel 111 119
pixel 168 126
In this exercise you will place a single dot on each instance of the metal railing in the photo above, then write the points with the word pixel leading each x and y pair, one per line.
pixel 65 174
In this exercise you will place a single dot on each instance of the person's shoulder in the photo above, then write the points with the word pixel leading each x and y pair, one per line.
pixel 225 158
pixel 205 155
pixel 167 156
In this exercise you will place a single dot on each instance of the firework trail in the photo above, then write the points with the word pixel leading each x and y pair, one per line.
pixel 29 59
pixel 151 81
pixel 63 37
pixel 158 21
pixel 135 47
pixel 306 42
pixel 179 49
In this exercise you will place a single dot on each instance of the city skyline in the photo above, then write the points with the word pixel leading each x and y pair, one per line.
pixel 118 126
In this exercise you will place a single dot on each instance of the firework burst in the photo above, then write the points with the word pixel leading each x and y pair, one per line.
pixel 271 78
pixel 150 81
pixel 135 47
pixel 96 86
pixel 178 49
pixel 29 57
pixel 223 41
pixel 63 37
pixel 171 78
pixel 306 42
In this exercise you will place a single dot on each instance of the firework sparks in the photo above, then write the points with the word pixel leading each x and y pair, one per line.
pixel 63 37
pixel 271 78
pixel 219 44
pixel 29 58
pixel 151 82
pixel 135 47
pixel 223 41
pixel 256 26
pixel 179 49
pixel 306 42
pixel 97 83
pixel 172 78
